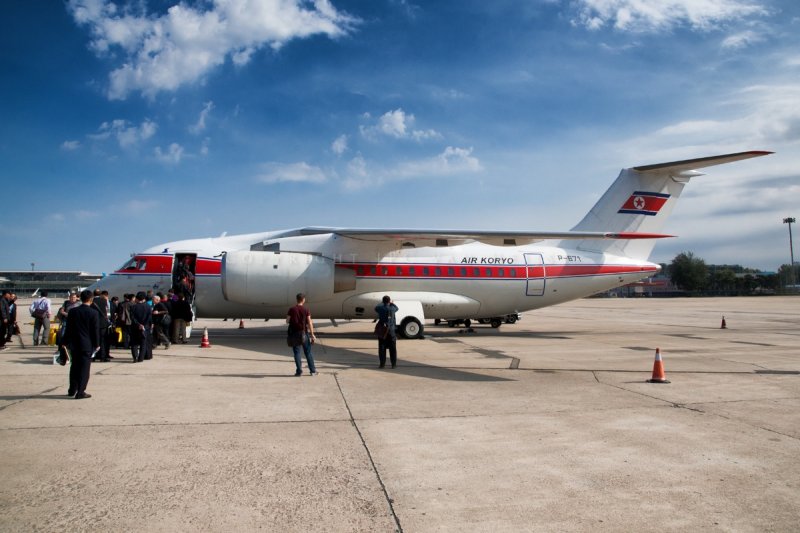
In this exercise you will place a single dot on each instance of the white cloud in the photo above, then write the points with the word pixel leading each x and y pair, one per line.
pixel 69 146
pixel 126 134
pixel 741 40
pixel 339 145
pixel 171 156
pixel 292 172
pixel 640 16
pixel 165 52
pixel 451 162
pixel 399 125
pixel 200 126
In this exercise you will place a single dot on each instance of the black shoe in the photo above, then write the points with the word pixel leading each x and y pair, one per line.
pixel 82 396
pixel 393 366
pixel 111 357
pixel 70 393
pixel 381 365
pixel 298 374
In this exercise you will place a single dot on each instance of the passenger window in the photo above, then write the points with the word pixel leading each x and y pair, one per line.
pixel 385 271
pixel 463 272
pixel 412 271
pixel 426 271
pixel 501 272
pixel 451 271
pixel 438 272
pixel 372 271
pixel 398 271
pixel 476 272
pixel 488 273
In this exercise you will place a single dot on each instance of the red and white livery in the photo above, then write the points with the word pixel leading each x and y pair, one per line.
pixel 445 274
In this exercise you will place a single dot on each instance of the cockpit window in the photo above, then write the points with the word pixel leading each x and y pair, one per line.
pixel 142 264
pixel 130 264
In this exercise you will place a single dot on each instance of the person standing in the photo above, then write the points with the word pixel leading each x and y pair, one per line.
pixel 83 338
pixel 388 341
pixel 40 311
pixel 141 322
pixel 100 305
pixel 181 316
pixel 70 303
pixel 161 321
pixel 301 333
pixel 123 319
pixel 13 327
pixel 5 318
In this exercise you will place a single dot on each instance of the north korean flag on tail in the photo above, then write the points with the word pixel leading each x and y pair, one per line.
pixel 644 203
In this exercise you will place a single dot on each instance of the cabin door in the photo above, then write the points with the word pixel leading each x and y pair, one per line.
pixel 536 275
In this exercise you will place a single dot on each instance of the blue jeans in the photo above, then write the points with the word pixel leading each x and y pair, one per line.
pixel 298 361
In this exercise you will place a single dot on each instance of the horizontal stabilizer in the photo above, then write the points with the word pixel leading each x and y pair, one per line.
pixel 700 162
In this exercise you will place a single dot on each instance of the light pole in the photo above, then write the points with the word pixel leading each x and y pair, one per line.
pixel 790 221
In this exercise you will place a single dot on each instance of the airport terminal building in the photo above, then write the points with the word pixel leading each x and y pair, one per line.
pixel 56 282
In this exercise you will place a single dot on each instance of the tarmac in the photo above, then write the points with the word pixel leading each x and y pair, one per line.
pixel 544 425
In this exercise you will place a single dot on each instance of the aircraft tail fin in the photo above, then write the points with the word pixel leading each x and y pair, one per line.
pixel 641 199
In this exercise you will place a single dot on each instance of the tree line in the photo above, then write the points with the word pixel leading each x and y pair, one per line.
pixel 691 273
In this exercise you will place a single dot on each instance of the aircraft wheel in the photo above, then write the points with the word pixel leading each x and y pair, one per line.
pixel 511 320
pixel 437 321
pixel 483 321
pixel 496 322
pixel 411 328
pixel 467 323
pixel 452 323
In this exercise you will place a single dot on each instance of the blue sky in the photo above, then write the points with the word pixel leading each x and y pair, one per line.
pixel 127 124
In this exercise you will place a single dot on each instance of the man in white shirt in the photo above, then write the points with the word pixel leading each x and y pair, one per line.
pixel 40 311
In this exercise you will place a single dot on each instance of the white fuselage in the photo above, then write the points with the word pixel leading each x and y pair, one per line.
pixel 472 280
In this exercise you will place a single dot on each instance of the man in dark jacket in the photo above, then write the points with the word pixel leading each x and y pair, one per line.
pixel 181 316
pixel 100 304
pixel 82 335
pixel 141 322
pixel 5 318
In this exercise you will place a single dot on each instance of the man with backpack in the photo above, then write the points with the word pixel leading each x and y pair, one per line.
pixel 40 311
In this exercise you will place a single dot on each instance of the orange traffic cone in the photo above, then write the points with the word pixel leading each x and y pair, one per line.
pixel 241 323
pixel 658 370
pixel 204 343
pixel 724 325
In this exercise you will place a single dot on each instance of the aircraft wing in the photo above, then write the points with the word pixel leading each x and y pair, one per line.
pixel 453 237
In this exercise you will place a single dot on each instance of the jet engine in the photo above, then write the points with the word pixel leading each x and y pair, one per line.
pixel 275 278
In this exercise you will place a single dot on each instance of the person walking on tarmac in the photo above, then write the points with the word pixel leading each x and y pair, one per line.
pixel 301 333
pixel 387 339
pixel 83 338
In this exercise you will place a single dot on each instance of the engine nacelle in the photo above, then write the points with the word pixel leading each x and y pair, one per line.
pixel 275 278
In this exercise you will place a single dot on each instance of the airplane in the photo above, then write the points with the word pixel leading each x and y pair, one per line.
pixel 443 274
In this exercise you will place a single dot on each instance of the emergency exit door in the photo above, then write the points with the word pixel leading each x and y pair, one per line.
pixel 536 275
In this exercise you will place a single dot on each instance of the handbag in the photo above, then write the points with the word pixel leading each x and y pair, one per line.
pixel 381 330
pixel 294 338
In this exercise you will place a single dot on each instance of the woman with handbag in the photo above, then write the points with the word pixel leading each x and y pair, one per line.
pixel 386 331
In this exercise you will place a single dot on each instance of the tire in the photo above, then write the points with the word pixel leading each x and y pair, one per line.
pixel 437 321
pixel 452 323
pixel 483 321
pixel 411 328
pixel 467 323
pixel 496 322
pixel 511 319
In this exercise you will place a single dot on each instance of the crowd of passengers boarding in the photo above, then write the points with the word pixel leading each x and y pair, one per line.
pixel 139 322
